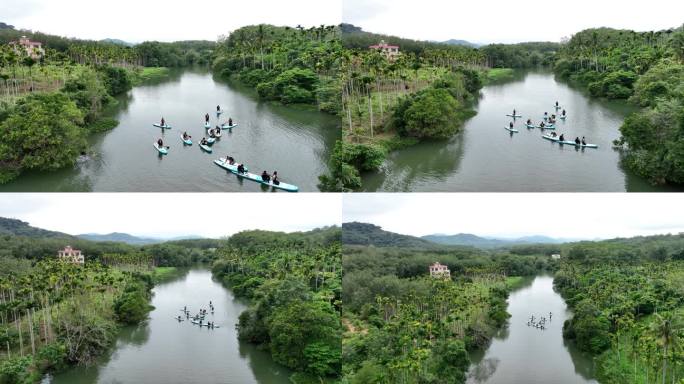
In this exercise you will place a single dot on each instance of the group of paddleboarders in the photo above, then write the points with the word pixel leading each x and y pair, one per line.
pixel 215 133
pixel 199 317
pixel 539 323
pixel 549 122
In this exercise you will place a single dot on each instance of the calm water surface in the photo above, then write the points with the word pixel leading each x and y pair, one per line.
pixel 165 351
pixel 292 140
pixel 487 158
pixel 521 354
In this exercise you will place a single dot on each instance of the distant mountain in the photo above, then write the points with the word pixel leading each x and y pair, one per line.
pixel 118 237
pixel 542 240
pixel 486 242
pixel 461 42
pixel 20 228
pixel 368 234
pixel 118 42
pixel 6 26
pixel 130 239
pixel 465 239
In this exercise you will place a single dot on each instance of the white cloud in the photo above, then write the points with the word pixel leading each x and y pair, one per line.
pixel 172 214
pixel 164 20
pixel 507 21
pixel 565 215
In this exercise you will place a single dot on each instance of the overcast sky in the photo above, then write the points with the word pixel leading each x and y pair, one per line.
pixel 507 21
pixel 172 214
pixel 561 215
pixel 162 20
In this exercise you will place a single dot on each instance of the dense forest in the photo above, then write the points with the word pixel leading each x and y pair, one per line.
pixel 49 104
pixel 627 298
pixel 294 283
pixel 647 68
pixel 54 314
pixel 403 326
pixel 290 65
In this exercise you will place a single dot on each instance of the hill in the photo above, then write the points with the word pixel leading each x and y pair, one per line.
pixel 117 42
pixel 20 228
pixel 119 237
pixel 468 239
pixel 461 42
pixel 368 234
pixel 133 240
pixel 465 239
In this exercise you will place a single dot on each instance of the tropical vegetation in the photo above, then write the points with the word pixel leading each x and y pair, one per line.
pixel 647 68
pixel 627 300
pixel 294 284
pixel 289 65
pixel 51 101
pixel 403 325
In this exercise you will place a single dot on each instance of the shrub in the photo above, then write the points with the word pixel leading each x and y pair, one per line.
pixel 42 132
pixel 430 114
pixel 131 305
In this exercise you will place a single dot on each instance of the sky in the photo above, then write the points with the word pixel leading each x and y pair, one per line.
pixel 559 215
pixel 162 20
pixel 507 21
pixel 167 215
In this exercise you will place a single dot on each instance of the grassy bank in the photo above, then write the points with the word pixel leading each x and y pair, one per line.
pixel 160 274
pixel 495 75
pixel 144 75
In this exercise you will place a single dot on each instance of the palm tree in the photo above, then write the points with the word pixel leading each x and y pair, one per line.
pixel 667 327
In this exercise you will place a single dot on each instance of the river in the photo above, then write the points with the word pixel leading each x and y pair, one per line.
pixel 525 354
pixel 163 350
pixel 295 141
pixel 486 158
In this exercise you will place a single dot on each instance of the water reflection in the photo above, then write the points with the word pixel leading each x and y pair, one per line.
pixel 485 158
pixel 164 350
pixel 525 354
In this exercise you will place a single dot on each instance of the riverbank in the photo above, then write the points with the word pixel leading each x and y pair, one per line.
pixel 71 114
pixel 427 104
pixel 627 306
pixel 68 325
pixel 312 79
pixel 294 309
pixel 651 138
